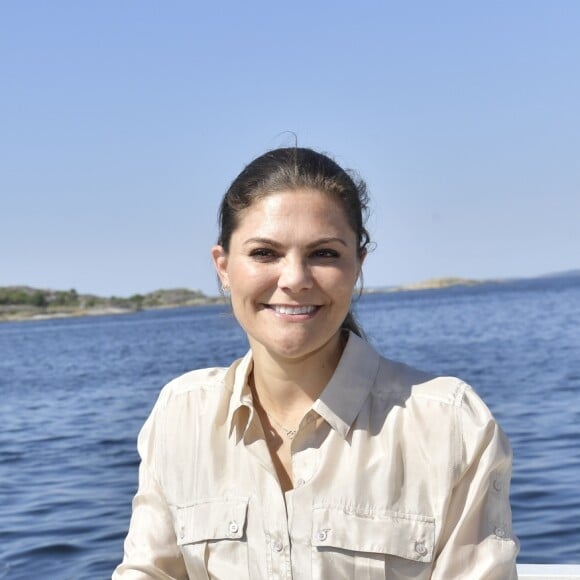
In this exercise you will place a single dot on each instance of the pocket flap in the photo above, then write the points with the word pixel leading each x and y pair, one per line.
pixel 405 535
pixel 211 519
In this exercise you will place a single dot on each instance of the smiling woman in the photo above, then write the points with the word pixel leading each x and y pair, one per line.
pixel 313 456
pixel 291 267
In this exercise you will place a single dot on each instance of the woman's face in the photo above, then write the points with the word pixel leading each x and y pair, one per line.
pixel 291 267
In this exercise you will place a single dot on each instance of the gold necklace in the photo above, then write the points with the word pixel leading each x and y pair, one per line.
pixel 290 433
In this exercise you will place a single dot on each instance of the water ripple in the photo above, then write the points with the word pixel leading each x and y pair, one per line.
pixel 75 393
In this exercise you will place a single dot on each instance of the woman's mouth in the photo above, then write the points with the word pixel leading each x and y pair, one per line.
pixel 288 310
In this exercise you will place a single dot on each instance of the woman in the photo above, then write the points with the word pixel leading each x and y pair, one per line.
pixel 314 457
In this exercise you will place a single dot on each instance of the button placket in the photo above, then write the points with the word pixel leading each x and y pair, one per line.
pixel 277 537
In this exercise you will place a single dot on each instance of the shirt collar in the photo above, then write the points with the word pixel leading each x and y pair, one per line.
pixel 241 397
pixel 342 399
pixel 339 403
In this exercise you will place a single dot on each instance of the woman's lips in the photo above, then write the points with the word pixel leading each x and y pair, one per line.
pixel 293 310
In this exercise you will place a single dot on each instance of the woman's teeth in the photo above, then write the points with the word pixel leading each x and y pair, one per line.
pixel 294 309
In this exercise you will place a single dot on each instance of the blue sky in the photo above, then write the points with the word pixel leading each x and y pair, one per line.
pixel 122 124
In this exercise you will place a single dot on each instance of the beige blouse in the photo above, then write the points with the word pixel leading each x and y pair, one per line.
pixel 396 475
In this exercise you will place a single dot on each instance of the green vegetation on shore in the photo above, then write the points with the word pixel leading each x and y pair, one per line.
pixel 24 302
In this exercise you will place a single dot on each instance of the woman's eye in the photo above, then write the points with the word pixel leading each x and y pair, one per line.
pixel 262 254
pixel 326 253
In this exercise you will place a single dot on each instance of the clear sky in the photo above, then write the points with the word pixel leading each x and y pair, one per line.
pixel 123 122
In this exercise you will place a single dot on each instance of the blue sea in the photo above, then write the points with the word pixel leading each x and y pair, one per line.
pixel 74 393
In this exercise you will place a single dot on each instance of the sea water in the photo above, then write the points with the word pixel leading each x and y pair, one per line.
pixel 74 393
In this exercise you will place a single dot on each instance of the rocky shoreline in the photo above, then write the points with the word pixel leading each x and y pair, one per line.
pixel 19 303
pixel 437 283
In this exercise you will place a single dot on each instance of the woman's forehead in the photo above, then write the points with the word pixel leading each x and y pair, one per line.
pixel 291 209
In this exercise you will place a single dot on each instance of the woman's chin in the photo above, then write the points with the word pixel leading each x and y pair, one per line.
pixel 296 346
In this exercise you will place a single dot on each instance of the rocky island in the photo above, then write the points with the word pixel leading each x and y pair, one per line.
pixel 24 302
pixel 436 283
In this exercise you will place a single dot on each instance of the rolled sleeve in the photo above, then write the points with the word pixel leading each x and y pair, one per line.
pixel 477 539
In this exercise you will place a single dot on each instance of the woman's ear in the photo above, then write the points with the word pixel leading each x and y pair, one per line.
pixel 362 256
pixel 361 260
pixel 220 262
pixel 358 281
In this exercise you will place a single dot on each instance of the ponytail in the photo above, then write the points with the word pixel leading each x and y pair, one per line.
pixel 351 325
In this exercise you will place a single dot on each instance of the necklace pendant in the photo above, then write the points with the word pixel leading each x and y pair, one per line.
pixel 290 433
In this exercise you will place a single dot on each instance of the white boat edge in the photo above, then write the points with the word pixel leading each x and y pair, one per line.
pixel 549 571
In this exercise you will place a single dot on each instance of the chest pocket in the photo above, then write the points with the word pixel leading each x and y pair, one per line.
pixel 211 534
pixel 389 545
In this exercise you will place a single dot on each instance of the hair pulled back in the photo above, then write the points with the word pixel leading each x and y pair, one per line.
pixel 291 169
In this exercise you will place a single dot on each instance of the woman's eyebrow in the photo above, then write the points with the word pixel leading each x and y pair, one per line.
pixel 275 244
pixel 329 240
pixel 266 241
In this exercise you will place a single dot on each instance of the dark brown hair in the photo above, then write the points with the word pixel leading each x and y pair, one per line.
pixel 290 169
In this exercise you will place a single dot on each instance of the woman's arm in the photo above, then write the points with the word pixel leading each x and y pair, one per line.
pixel 151 549
pixel 476 540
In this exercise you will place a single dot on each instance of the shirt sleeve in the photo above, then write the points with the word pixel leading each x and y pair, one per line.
pixel 476 539
pixel 150 549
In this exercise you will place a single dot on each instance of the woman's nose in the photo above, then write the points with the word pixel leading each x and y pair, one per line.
pixel 295 275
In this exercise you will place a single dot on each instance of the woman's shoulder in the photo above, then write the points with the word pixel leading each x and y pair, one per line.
pixel 412 385
pixel 197 381
pixel 438 412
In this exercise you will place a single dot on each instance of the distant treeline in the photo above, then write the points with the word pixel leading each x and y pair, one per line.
pixel 65 298
pixel 37 298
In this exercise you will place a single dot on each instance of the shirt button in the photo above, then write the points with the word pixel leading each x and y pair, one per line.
pixel 497 484
pixel 277 546
pixel 233 528
pixel 420 548
pixel 499 532
pixel 322 535
pixel 300 482
pixel 182 532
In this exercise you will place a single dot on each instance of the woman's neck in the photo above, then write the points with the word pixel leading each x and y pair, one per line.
pixel 288 387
